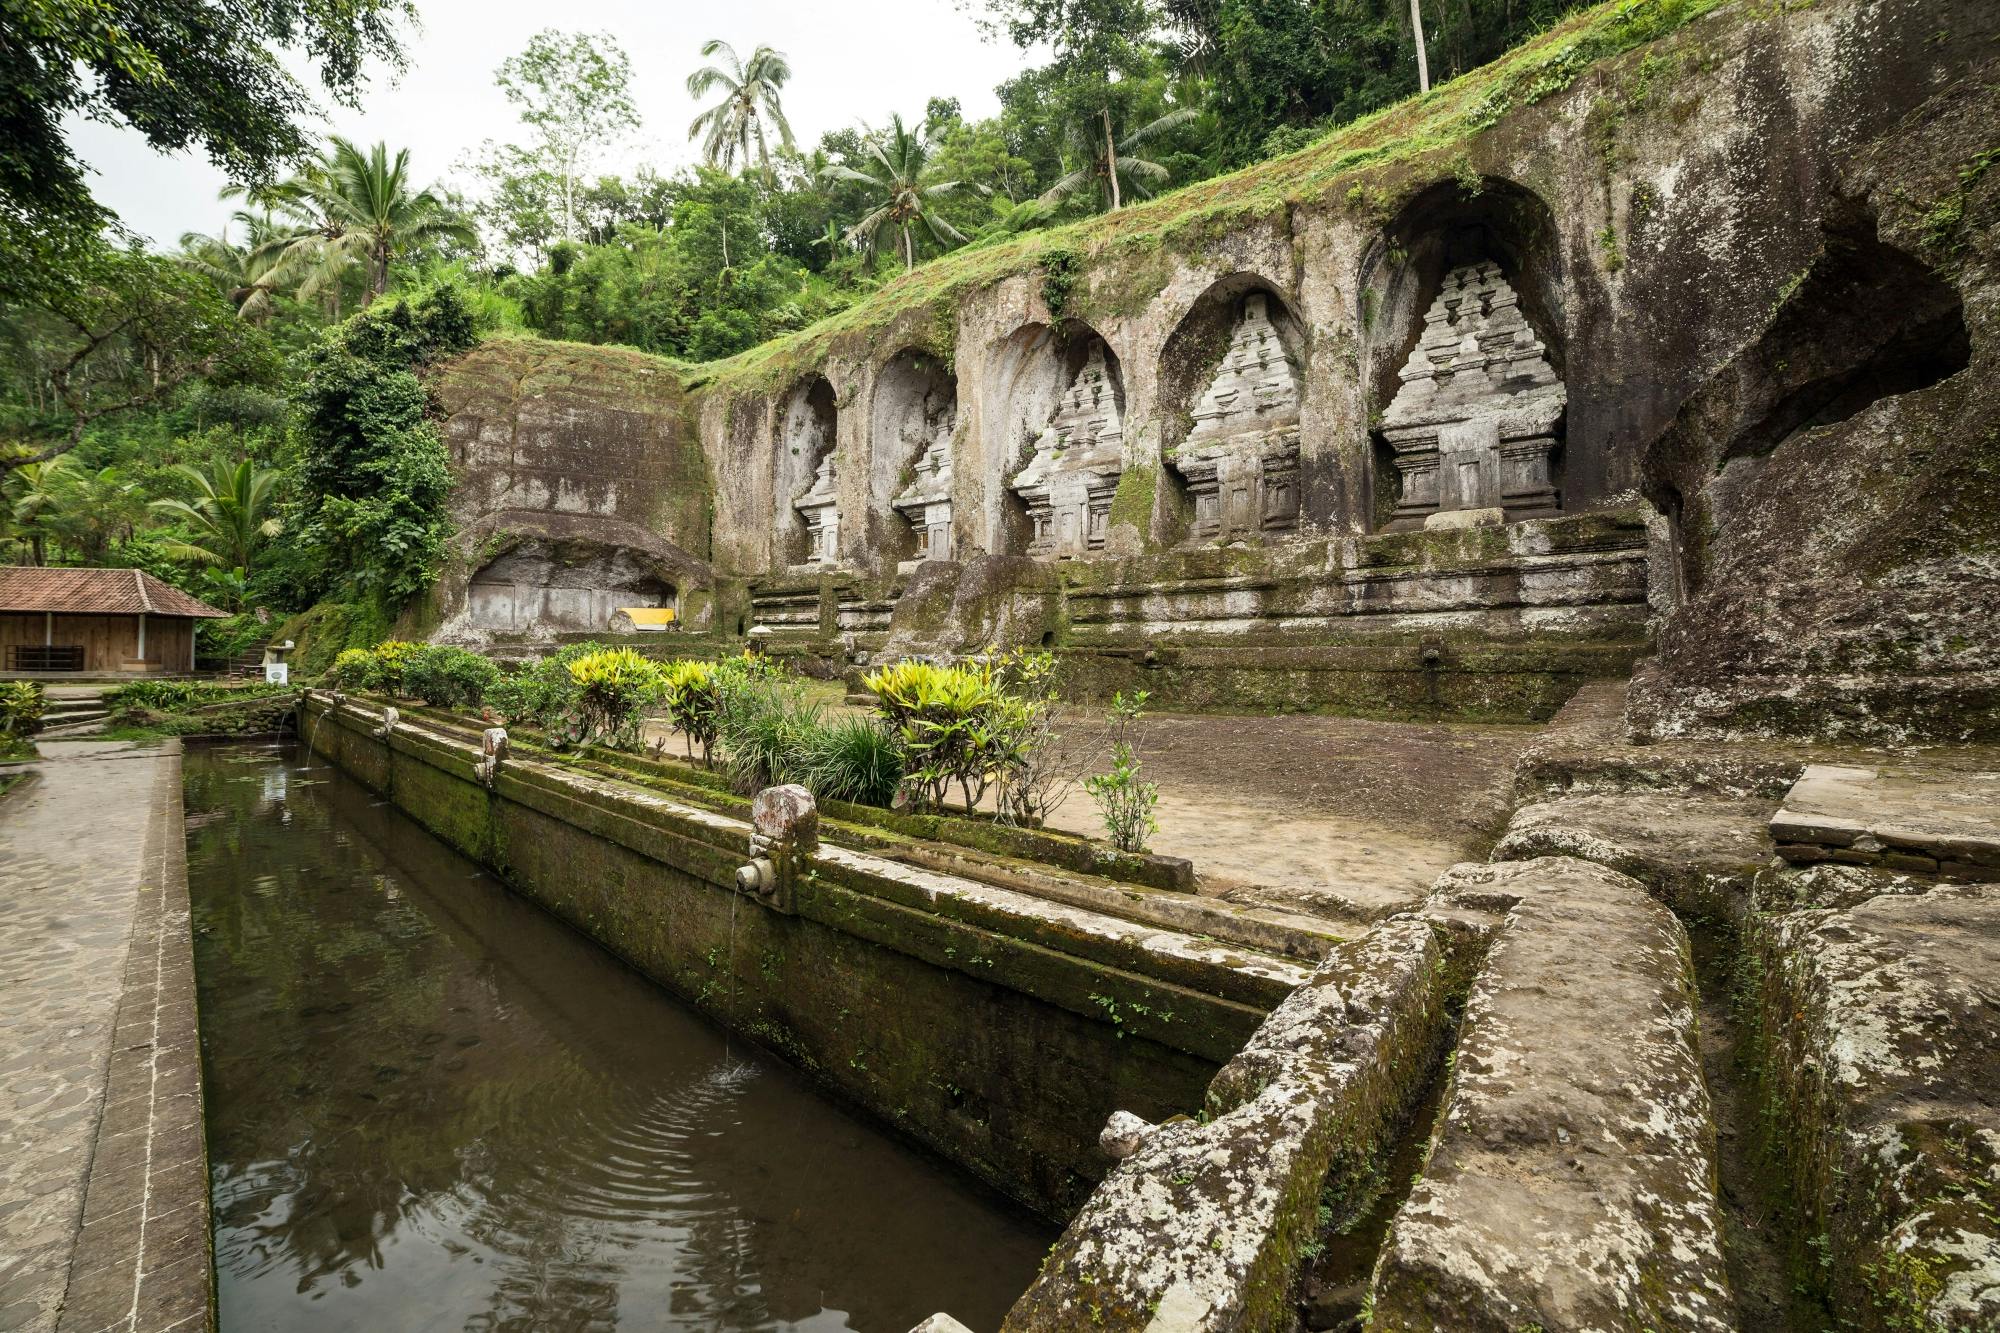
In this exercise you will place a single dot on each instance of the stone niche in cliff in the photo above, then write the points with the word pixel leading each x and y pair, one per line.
pixel 909 479
pixel 1241 459
pixel 543 587
pixel 819 510
pixel 808 519
pixel 1478 419
pixel 1072 472
pixel 926 502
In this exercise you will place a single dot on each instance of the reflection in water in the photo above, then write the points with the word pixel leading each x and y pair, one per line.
pixel 431 1106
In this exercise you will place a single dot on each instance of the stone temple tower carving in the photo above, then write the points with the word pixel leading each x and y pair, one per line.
pixel 1241 459
pixel 1478 420
pixel 926 501
pixel 821 511
pixel 1073 473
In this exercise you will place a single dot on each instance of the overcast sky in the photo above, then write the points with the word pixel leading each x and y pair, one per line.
pixel 848 63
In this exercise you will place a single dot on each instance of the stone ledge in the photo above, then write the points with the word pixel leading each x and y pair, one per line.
pixel 1201 1227
pixel 1907 818
pixel 1571 1184
pixel 143 1260
pixel 1882 1051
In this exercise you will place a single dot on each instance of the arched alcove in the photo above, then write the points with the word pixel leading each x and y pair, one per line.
pixel 1050 386
pixel 541 588
pixel 910 458
pixel 1464 339
pixel 1231 383
pixel 807 427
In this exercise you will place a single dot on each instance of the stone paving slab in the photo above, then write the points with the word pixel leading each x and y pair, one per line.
pixel 1901 818
pixel 103 1178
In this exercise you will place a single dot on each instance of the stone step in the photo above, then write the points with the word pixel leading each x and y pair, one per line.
pixel 1906 818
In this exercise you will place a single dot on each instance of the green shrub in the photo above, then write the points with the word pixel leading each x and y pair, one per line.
pixel 22 703
pixel 446 677
pixel 980 725
pixel 691 693
pixel 613 688
pixel 355 669
pixel 1122 799
pixel 541 694
pixel 852 759
pixel 764 724
pixel 390 656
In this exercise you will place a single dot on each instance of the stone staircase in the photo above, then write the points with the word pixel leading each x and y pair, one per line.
pixel 72 713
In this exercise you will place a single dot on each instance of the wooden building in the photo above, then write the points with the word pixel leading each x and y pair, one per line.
pixel 108 622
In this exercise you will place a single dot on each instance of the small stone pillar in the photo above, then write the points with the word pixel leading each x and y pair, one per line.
pixel 784 831
pixel 492 750
pixel 390 718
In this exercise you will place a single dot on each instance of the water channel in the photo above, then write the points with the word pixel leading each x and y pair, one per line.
pixel 431 1106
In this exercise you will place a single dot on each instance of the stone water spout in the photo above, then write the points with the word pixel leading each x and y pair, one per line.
pixel 784 827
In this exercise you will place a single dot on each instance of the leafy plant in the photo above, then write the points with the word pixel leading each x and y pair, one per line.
pixel 22 703
pixel 1125 802
pixel 355 669
pixel 391 656
pixel 691 694
pixel 613 688
pixel 447 677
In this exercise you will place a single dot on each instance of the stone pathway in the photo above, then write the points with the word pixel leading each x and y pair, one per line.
pixel 90 958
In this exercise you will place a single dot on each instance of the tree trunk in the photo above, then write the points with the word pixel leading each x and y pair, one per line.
pixel 909 250
pixel 1111 154
pixel 1423 60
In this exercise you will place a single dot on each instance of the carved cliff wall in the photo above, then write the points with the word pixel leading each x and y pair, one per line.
pixel 1702 299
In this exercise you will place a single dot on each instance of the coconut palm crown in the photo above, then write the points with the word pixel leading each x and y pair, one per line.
pixel 899 168
pixel 730 128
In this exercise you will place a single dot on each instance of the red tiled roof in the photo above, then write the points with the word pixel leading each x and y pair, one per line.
pixel 95 592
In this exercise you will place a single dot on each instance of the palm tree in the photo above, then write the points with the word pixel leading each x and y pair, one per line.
pixel 356 207
pixel 750 94
pixel 34 502
pixel 1106 159
pixel 246 273
pixel 98 509
pixel 227 517
pixel 900 170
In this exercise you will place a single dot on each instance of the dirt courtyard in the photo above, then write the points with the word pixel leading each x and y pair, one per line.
pixel 1345 815
pixel 1339 816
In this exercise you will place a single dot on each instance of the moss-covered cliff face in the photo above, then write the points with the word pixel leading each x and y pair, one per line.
pixel 1755 239
pixel 577 469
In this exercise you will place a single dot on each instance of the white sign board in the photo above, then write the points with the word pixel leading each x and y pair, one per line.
pixel 277 673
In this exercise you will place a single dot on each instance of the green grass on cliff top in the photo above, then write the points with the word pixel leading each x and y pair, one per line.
pixel 1446 116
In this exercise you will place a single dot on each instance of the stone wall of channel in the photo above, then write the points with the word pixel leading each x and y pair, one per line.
pixel 996 1028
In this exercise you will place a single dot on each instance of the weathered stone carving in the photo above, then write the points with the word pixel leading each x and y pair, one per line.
pixel 1479 417
pixel 926 501
pixel 1241 460
pixel 784 827
pixel 821 511
pixel 1073 473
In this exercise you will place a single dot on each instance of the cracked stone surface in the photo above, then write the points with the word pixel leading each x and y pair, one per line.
pixel 1883 1015
pixel 1571 1184
pixel 81 923
pixel 1199 1228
